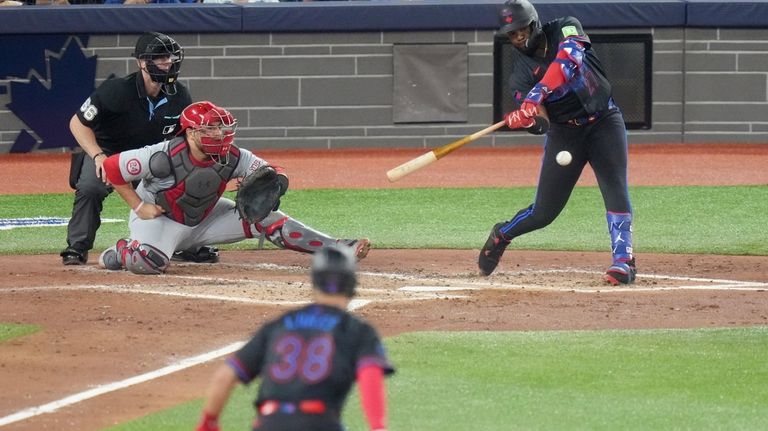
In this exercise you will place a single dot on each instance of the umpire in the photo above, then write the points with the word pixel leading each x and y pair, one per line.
pixel 140 109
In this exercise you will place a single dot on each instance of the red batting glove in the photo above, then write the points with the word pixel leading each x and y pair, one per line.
pixel 208 422
pixel 516 120
pixel 529 109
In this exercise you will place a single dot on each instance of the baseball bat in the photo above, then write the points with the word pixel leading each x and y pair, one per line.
pixel 434 155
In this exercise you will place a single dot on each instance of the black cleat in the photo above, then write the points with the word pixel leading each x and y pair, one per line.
pixel 492 251
pixel 621 273
pixel 71 256
pixel 204 254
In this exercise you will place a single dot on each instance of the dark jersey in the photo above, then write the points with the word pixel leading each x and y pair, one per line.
pixel 309 354
pixel 123 117
pixel 587 93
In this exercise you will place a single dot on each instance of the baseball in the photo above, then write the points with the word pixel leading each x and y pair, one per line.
pixel 563 158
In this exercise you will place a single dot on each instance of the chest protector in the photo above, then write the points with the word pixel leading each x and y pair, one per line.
pixel 197 186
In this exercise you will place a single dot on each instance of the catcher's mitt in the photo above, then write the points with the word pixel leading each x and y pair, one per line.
pixel 258 194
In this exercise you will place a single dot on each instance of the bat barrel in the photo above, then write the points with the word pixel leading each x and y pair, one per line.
pixel 406 168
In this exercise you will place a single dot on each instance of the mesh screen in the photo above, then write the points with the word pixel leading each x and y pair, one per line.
pixel 627 59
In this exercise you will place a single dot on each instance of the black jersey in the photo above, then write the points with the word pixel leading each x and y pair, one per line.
pixel 587 93
pixel 123 117
pixel 309 354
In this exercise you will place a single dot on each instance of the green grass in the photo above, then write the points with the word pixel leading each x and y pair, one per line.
pixel 701 379
pixel 14 330
pixel 714 220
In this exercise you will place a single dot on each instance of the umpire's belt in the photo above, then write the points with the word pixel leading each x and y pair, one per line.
pixel 310 407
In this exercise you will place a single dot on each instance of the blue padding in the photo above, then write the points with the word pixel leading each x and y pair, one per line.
pixel 187 18
pixel 716 13
pixel 616 13
pixel 389 15
pixel 375 15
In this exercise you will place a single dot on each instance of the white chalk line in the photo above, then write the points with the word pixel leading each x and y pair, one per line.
pixel 354 304
pixel 122 384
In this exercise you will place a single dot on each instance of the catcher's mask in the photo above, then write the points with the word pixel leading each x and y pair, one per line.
pixel 333 270
pixel 518 14
pixel 215 127
pixel 163 57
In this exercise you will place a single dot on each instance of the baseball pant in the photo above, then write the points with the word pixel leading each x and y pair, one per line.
pixel 603 145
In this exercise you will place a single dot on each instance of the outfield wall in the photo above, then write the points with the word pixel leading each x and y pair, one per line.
pixel 325 75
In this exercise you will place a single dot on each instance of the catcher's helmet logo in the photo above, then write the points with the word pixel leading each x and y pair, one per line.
pixel 133 166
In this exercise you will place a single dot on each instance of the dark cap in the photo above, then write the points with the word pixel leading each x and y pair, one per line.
pixel 153 43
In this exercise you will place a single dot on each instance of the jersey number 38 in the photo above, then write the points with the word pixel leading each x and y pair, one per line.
pixel 309 360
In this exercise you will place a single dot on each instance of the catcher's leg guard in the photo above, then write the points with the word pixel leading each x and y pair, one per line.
pixel 113 258
pixel 622 270
pixel 294 235
pixel 144 259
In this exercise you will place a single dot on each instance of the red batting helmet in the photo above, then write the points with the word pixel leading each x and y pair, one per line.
pixel 217 126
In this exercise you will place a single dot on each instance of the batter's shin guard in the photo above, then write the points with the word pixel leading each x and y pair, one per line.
pixel 622 270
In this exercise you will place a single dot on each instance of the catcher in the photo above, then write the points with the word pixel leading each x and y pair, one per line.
pixel 178 204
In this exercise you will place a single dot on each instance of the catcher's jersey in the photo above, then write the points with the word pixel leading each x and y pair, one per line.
pixel 123 117
pixel 587 93
pixel 176 188
pixel 312 353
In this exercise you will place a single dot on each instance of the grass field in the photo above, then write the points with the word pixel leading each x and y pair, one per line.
pixel 12 330
pixel 593 380
pixel 715 220
pixel 703 379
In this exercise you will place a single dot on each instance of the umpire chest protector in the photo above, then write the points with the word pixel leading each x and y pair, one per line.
pixel 197 185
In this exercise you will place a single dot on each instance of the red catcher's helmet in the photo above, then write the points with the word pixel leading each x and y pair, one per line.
pixel 216 125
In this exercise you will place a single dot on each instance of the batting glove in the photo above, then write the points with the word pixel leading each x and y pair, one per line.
pixel 517 120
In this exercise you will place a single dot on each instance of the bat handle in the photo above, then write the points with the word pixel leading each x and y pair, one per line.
pixel 406 168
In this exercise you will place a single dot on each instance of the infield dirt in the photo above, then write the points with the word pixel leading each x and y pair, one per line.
pixel 100 327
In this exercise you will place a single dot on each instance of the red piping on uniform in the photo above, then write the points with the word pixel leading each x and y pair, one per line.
pixel 247 228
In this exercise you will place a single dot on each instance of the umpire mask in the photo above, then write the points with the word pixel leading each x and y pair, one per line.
pixel 163 57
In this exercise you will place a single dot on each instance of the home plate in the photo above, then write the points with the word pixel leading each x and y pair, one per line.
pixel 435 288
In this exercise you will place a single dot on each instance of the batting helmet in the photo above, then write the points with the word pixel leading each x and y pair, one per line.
pixel 153 45
pixel 217 126
pixel 333 270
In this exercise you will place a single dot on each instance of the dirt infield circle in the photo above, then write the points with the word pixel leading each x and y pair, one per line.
pixel 101 328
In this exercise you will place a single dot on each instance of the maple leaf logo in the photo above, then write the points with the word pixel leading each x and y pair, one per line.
pixel 46 100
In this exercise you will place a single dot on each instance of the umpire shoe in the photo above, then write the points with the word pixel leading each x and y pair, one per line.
pixel 362 246
pixel 621 273
pixel 492 251
pixel 71 256
pixel 204 254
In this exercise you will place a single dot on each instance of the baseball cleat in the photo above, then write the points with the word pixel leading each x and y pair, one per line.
pixel 204 254
pixel 492 251
pixel 362 246
pixel 621 273
pixel 110 260
pixel 71 256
